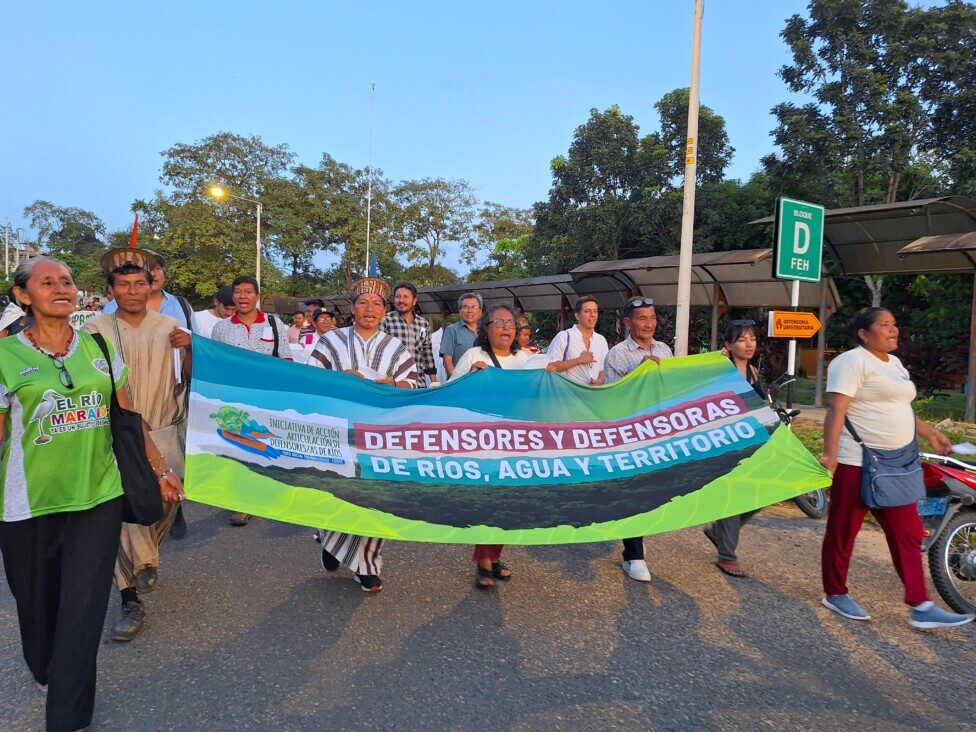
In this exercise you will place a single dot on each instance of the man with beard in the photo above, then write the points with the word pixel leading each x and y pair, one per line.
pixel 145 340
pixel 640 319
pixel 411 329
pixel 366 352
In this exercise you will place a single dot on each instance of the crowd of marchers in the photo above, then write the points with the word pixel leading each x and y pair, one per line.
pixel 62 537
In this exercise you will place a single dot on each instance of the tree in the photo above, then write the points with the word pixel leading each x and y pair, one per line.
pixel 242 164
pixel 870 125
pixel 496 223
pixel 433 212
pixel 714 151
pixel 617 194
pixel 66 230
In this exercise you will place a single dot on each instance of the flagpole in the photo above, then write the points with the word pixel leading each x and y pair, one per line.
pixel 369 184
pixel 6 250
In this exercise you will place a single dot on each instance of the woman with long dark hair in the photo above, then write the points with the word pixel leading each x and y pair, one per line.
pixel 740 345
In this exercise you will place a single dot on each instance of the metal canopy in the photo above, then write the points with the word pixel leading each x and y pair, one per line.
pixel 744 276
pixel 951 253
pixel 948 252
pixel 867 240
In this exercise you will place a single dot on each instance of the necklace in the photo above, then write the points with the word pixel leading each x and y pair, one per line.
pixel 62 354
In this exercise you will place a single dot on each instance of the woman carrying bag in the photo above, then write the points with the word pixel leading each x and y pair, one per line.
pixel 61 490
pixel 871 388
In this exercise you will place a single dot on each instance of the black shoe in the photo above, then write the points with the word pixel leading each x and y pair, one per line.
pixel 147 580
pixel 130 622
pixel 329 562
pixel 370 582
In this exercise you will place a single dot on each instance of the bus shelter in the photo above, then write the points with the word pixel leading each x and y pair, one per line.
pixel 719 280
pixel 874 240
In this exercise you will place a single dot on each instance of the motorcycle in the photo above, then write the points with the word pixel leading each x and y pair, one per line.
pixel 814 504
pixel 948 514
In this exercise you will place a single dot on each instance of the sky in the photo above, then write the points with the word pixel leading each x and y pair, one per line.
pixel 488 93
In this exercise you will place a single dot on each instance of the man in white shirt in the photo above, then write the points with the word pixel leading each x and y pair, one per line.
pixel 580 351
pixel 203 321
pixel 640 319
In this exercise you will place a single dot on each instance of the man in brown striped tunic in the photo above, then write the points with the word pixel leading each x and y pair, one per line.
pixel 365 351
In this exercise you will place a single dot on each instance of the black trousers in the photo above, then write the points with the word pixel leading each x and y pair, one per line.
pixel 59 568
pixel 633 548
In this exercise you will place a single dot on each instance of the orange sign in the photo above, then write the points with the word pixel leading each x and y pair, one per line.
pixel 787 324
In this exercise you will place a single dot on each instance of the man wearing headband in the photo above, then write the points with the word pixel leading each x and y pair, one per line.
pixel 145 340
pixel 160 301
pixel 366 352
pixel 640 319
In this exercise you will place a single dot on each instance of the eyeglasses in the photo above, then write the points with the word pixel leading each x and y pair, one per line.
pixel 639 302
pixel 744 321
pixel 63 372
pixel 471 307
pixel 499 323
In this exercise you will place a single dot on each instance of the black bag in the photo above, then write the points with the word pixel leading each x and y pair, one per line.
pixel 141 502
pixel 889 478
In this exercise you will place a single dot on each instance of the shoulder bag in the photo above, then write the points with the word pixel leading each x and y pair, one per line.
pixel 141 500
pixel 889 478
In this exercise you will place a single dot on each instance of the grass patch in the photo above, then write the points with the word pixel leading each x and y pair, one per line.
pixel 939 406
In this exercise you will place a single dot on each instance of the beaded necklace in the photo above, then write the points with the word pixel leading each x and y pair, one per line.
pixel 62 354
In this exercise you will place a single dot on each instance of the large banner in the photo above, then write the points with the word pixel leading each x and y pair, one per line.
pixel 497 457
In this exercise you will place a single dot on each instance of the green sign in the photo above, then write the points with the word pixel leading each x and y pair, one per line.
pixel 799 240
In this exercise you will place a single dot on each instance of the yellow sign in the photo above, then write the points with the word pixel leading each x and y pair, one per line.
pixel 787 324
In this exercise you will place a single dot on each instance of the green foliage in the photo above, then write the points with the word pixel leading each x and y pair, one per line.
pixel 431 213
pixel 66 230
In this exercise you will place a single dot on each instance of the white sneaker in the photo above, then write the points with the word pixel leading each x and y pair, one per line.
pixel 636 569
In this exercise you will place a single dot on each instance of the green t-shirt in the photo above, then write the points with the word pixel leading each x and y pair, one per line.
pixel 58 453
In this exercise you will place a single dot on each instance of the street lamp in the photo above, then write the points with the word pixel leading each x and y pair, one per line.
pixel 20 241
pixel 218 192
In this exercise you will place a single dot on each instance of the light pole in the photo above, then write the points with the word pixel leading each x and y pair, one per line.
pixel 218 192
pixel 20 240
pixel 683 319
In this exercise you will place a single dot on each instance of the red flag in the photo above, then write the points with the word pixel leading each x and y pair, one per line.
pixel 134 239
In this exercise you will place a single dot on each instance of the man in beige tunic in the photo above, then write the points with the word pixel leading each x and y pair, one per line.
pixel 149 342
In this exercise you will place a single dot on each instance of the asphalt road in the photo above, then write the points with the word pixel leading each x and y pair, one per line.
pixel 247 632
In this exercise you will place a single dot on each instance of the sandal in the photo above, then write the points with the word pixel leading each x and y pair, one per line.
pixel 483 580
pixel 732 569
pixel 501 571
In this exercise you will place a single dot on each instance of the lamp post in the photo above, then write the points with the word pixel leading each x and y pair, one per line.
pixel 20 240
pixel 218 192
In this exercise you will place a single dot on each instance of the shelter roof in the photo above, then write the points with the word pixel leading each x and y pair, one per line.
pixel 745 277
pixel 867 240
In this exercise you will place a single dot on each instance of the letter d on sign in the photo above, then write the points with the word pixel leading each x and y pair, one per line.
pixel 801 237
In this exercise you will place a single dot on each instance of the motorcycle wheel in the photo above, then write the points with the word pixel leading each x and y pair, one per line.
pixel 952 562
pixel 813 504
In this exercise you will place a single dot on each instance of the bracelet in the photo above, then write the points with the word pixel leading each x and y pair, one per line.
pixel 166 472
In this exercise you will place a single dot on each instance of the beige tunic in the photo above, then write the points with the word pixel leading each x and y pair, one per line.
pixel 152 390
pixel 149 356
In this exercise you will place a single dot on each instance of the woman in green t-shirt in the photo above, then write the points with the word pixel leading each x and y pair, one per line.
pixel 60 489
